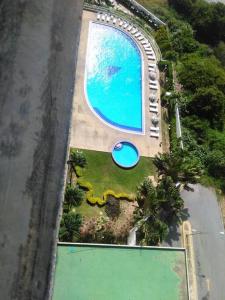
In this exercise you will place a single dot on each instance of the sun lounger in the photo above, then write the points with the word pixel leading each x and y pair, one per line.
pixel 114 21
pixel 129 28
pixel 152 104
pixel 153 109
pixel 98 16
pixel 144 42
pixel 148 52
pixel 140 38
pixel 120 23
pixel 154 128
pixel 107 18
pixel 137 34
pixel 151 65
pixel 125 26
pixel 154 134
pixel 154 82
pixel 103 17
pixel 134 31
pixel 153 87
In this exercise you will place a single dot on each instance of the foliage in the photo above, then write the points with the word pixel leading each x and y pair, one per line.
pixel 166 66
pixel 104 174
pixel 179 166
pixel 98 200
pixel 98 230
pixel 207 19
pixel 152 232
pixel 199 72
pixel 158 207
pixel 112 207
pixel 79 171
pixel 209 103
pixel 219 52
pixel 70 227
pixel 73 195
pixel 216 163
pixel 78 158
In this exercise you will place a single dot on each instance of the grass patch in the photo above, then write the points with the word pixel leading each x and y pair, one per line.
pixel 104 174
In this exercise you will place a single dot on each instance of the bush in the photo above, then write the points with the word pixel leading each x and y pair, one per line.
pixel 70 227
pixel 74 196
pixel 112 207
pixel 79 171
pixel 78 158
pixel 84 184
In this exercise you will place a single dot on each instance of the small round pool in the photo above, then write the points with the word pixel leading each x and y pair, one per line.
pixel 125 154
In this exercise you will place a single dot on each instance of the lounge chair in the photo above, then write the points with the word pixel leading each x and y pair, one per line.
pixel 98 16
pixel 153 87
pixel 140 38
pixel 152 104
pixel 129 28
pixel 103 17
pixel 143 42
pixel 153 109
pixel 154 134
pixel 137 34
pixel 152 128
pixel 114 21
pixel 120 23
pixel 107 18
pixel 134 31
pixel 125 26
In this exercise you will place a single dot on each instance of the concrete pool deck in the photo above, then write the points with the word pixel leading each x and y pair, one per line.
pixel 99 272
pixel 88 131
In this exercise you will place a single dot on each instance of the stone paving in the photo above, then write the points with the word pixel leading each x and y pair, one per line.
pixel 88 131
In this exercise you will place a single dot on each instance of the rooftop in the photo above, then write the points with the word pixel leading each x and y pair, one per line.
pixel 94 272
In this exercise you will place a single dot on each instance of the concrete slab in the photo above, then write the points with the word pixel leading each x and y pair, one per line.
pixel 88 131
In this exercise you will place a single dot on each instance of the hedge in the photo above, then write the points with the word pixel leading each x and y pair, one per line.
pixel 97 200
pixel 79 171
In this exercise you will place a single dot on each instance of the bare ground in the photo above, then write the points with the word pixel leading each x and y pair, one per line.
pixel 39 41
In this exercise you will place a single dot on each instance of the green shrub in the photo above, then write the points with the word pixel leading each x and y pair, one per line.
pixel 84 184
pixel 112 207
pixel 78 158
pixel 79 171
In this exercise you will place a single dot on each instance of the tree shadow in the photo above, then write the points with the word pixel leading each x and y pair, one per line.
pixel 174 236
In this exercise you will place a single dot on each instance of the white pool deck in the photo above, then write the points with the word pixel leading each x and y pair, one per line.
pixel 88 131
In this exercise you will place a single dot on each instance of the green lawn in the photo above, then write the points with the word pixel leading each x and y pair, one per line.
pixel 104 174
pixel 114 273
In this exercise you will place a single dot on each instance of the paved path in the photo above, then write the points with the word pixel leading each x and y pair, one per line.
pixel 209 242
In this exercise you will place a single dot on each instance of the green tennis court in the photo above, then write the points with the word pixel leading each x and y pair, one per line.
pixel 119 273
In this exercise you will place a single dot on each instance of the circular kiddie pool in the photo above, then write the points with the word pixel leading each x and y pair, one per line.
pixel 125 154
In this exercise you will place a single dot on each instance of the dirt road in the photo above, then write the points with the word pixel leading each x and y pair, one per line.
pixel 39 42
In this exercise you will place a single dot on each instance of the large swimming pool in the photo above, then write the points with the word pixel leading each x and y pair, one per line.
pixel 113 77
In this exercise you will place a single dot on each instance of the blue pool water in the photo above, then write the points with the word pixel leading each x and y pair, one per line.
pixel 113 77
pixel 125 154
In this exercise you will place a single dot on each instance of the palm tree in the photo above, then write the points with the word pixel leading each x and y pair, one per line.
pixel 179 166
pixel 74 196
pixel 172 203
pixel 147 196
pixel 70 227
